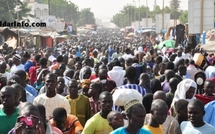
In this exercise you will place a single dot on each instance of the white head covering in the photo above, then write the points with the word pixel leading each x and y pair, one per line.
pixel 122 96
pixel 182 88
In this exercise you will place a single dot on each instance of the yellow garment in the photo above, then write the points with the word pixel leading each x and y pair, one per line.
pixel 170 126
pixel 80 107
pixel 157 76
pixel 97 125
pixel 154 130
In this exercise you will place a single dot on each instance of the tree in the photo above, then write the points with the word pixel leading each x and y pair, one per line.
pixel 86 17
pixel 156 10
pixel 183 17
pixel 23 13
pixel 174 5
pixel 167 9
pixel 63 9
pixel 129 14
pixel 120 20
pixel 7 8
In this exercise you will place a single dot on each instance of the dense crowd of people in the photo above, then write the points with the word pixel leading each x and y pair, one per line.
pixel 107 84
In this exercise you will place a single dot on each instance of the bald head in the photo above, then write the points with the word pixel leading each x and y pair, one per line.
pixel 111 115
pixel 196 103
pixel 8 89
pixel 159 95
pixel 159 105
pixel 102 71
pixel 104 94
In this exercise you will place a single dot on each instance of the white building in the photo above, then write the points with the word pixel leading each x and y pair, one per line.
pixel 41 13
pixel 38 10
pixel 143 23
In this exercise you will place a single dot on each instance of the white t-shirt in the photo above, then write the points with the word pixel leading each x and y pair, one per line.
pixel 15 68
pixel 8 75
pixel 126 56
pixel 187 128
pixel 52 103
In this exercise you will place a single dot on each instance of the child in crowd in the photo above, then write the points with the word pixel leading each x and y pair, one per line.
pixel 115 119
pixel 61 87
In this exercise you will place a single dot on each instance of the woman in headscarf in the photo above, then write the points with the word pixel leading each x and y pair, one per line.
pixel 186 89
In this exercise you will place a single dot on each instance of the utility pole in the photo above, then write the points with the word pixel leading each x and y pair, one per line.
pixel 202 13
pixel 49 6
pixel 163 16
pixel 135 18
pixel 139 14
pixel 131 14
pixel 146 13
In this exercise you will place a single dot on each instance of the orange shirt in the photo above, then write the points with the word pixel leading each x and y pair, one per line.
pixel 55 66
pixel 72 125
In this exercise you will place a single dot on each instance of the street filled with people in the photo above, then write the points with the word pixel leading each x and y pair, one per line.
pixel 108 83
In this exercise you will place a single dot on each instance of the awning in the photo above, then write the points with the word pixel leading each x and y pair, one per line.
pixel 7 33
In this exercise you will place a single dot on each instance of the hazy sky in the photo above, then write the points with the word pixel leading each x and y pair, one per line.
pixel 105 9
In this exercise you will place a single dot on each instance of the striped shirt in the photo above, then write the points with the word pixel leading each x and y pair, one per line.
pixel 140 89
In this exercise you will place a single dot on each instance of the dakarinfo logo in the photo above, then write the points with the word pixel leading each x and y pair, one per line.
pixel 22 24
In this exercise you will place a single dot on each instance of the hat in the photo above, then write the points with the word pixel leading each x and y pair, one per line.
pixel 17 56
pixel 131 103
pixel 147 57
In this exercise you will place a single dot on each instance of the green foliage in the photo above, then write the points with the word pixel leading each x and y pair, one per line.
pixel 167 9
pixel 23 13
pixel 7 8
pixel 183 18
pixel 157 10
pixel 86 17
pixel 174 4
pixel 66 10
pixel 129 14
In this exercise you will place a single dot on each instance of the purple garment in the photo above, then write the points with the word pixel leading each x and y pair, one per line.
pixel 11 131
pixel 165 86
